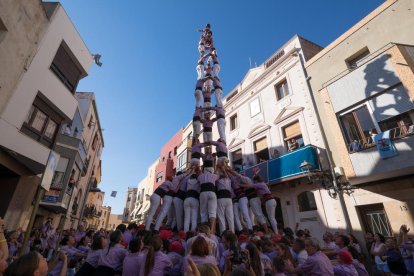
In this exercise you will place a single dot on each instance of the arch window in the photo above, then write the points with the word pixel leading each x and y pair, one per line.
pixel 307 202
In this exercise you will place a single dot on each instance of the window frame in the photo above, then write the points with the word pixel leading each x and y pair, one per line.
pixel 255 152
pixel 257 99
pixel 235 115
pixel 284 83
pixel 302 208
pixel 286 139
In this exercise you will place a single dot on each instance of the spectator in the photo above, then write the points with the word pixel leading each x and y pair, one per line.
pixel 354 243
pixel 129 267
pixel 208 270
pixel 200 254
pixel 91 262
pixel 345 266
pixel 301 254
pixel 278 267
pixel 111 259
pixel 255 260
pixel 394 258
pixel 283 251
pixel 317 263
pixel 154 262
pixel 175 254
pixel 30 264
pixel 378 249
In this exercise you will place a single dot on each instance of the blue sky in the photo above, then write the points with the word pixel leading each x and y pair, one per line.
pixel 144 89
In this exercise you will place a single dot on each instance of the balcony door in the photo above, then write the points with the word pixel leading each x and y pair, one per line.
pixel 374 219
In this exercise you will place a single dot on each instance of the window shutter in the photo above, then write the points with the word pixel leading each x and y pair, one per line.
pixel 292 130
pixel 260 144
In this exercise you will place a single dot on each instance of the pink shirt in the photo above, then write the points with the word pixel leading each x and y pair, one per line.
pixel 223 184
pixel 161 263
pixel 207 123
pixel 207 177
pixel 220 146
pixel 167 186
pixel 193 184
pixel 262 188
pixel 196 148
pixel 177 180
pixel 316 265
pixel 198 260
pixel 113 258
pixel 130 264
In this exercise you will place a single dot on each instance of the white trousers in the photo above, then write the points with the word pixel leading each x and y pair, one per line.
pixel 198 94
pixel 191 209
pixel 221 125
pixel 208 205
pixel 244 210
pixel 171 222
pixel 217 93
pixel 155 201
pixel 200 71
pixel 256 206
pixel 208 83
pixel 178 208
pixel 271 210
pixel 207 136
pixel 216 69
pixel 225 213
pixel 197 128
pixel 166 206
pixel 237 222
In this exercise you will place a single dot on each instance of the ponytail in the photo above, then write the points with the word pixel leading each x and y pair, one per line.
pixel 114 238
pixel 155 246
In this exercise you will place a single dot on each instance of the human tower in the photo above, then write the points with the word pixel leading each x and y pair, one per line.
pixel 215 192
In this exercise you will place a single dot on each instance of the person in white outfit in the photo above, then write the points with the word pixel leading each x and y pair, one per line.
pixel 221 121
pixel 254 201
pixel 218 91
pixel 191 202
pixel 241 199
pixel 166 205
pixel 179 185
pixel 224 202
pixel 216 67
pixel 155 201
pixel 208 198
pixel 265 194
pixel 198 93
pixel 200 68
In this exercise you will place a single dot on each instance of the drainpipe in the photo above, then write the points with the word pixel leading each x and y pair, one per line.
pixel 340 193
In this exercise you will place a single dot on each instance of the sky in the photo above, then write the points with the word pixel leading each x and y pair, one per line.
pixel 144 90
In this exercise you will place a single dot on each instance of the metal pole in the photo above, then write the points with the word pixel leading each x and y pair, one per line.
pixel 32 217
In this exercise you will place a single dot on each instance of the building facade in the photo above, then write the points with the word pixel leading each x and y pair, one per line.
pixel 130 202
pixel 93 209
pixel 167 165
pixel 114 221
pixel 271 124
pixel 104 219
pixel 39 99
pixel 365 101
pixel 184 148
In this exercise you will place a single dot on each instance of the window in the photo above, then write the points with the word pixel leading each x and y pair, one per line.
pixel 91 123
pixel 306 201
pixel 261 151
pixel 237 159
pixel 233 122
pixel 65 68
pixel 169 155
pixel 159 177
pixel 254 107
pixel 292 135
pixel 274 59
pixel 3 30
pixel 42 123
pixel 95 141
pixel 357 125
pixel 175 151
pixel 375 220
pixel 399 124
pixel 282 90
pixel 354 60
pixel 182 161
pixel 229 97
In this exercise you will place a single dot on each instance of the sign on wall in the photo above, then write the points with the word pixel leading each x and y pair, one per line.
pixel 51 166
pixel 384 145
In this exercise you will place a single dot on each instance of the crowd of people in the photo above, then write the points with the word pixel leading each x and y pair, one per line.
pixel 133 251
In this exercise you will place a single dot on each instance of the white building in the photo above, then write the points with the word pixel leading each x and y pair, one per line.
pixel 42 100
pixel 264 112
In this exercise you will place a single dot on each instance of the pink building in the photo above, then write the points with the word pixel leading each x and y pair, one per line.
pixel 168 159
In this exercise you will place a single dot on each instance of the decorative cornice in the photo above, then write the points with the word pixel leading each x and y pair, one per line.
pixel 257 130
pixel 281 116
pixel 235 142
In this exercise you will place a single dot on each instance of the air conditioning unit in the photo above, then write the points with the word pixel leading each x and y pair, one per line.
pixel 339 171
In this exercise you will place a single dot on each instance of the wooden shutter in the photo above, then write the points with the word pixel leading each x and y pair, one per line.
pixel 260 144
pixel 292 131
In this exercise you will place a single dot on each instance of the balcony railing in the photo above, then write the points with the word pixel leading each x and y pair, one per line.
pixel 56 200
pixel 73 142
pixel 286 166
pixel 368 142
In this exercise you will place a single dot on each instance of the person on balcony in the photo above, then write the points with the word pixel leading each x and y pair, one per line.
pixel 293 144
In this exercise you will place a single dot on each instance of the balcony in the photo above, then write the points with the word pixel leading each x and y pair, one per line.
pixel 74 143
pixel 56 200
pixel 286 166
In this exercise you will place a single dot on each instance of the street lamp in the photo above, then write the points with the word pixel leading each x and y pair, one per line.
pixel 325 180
